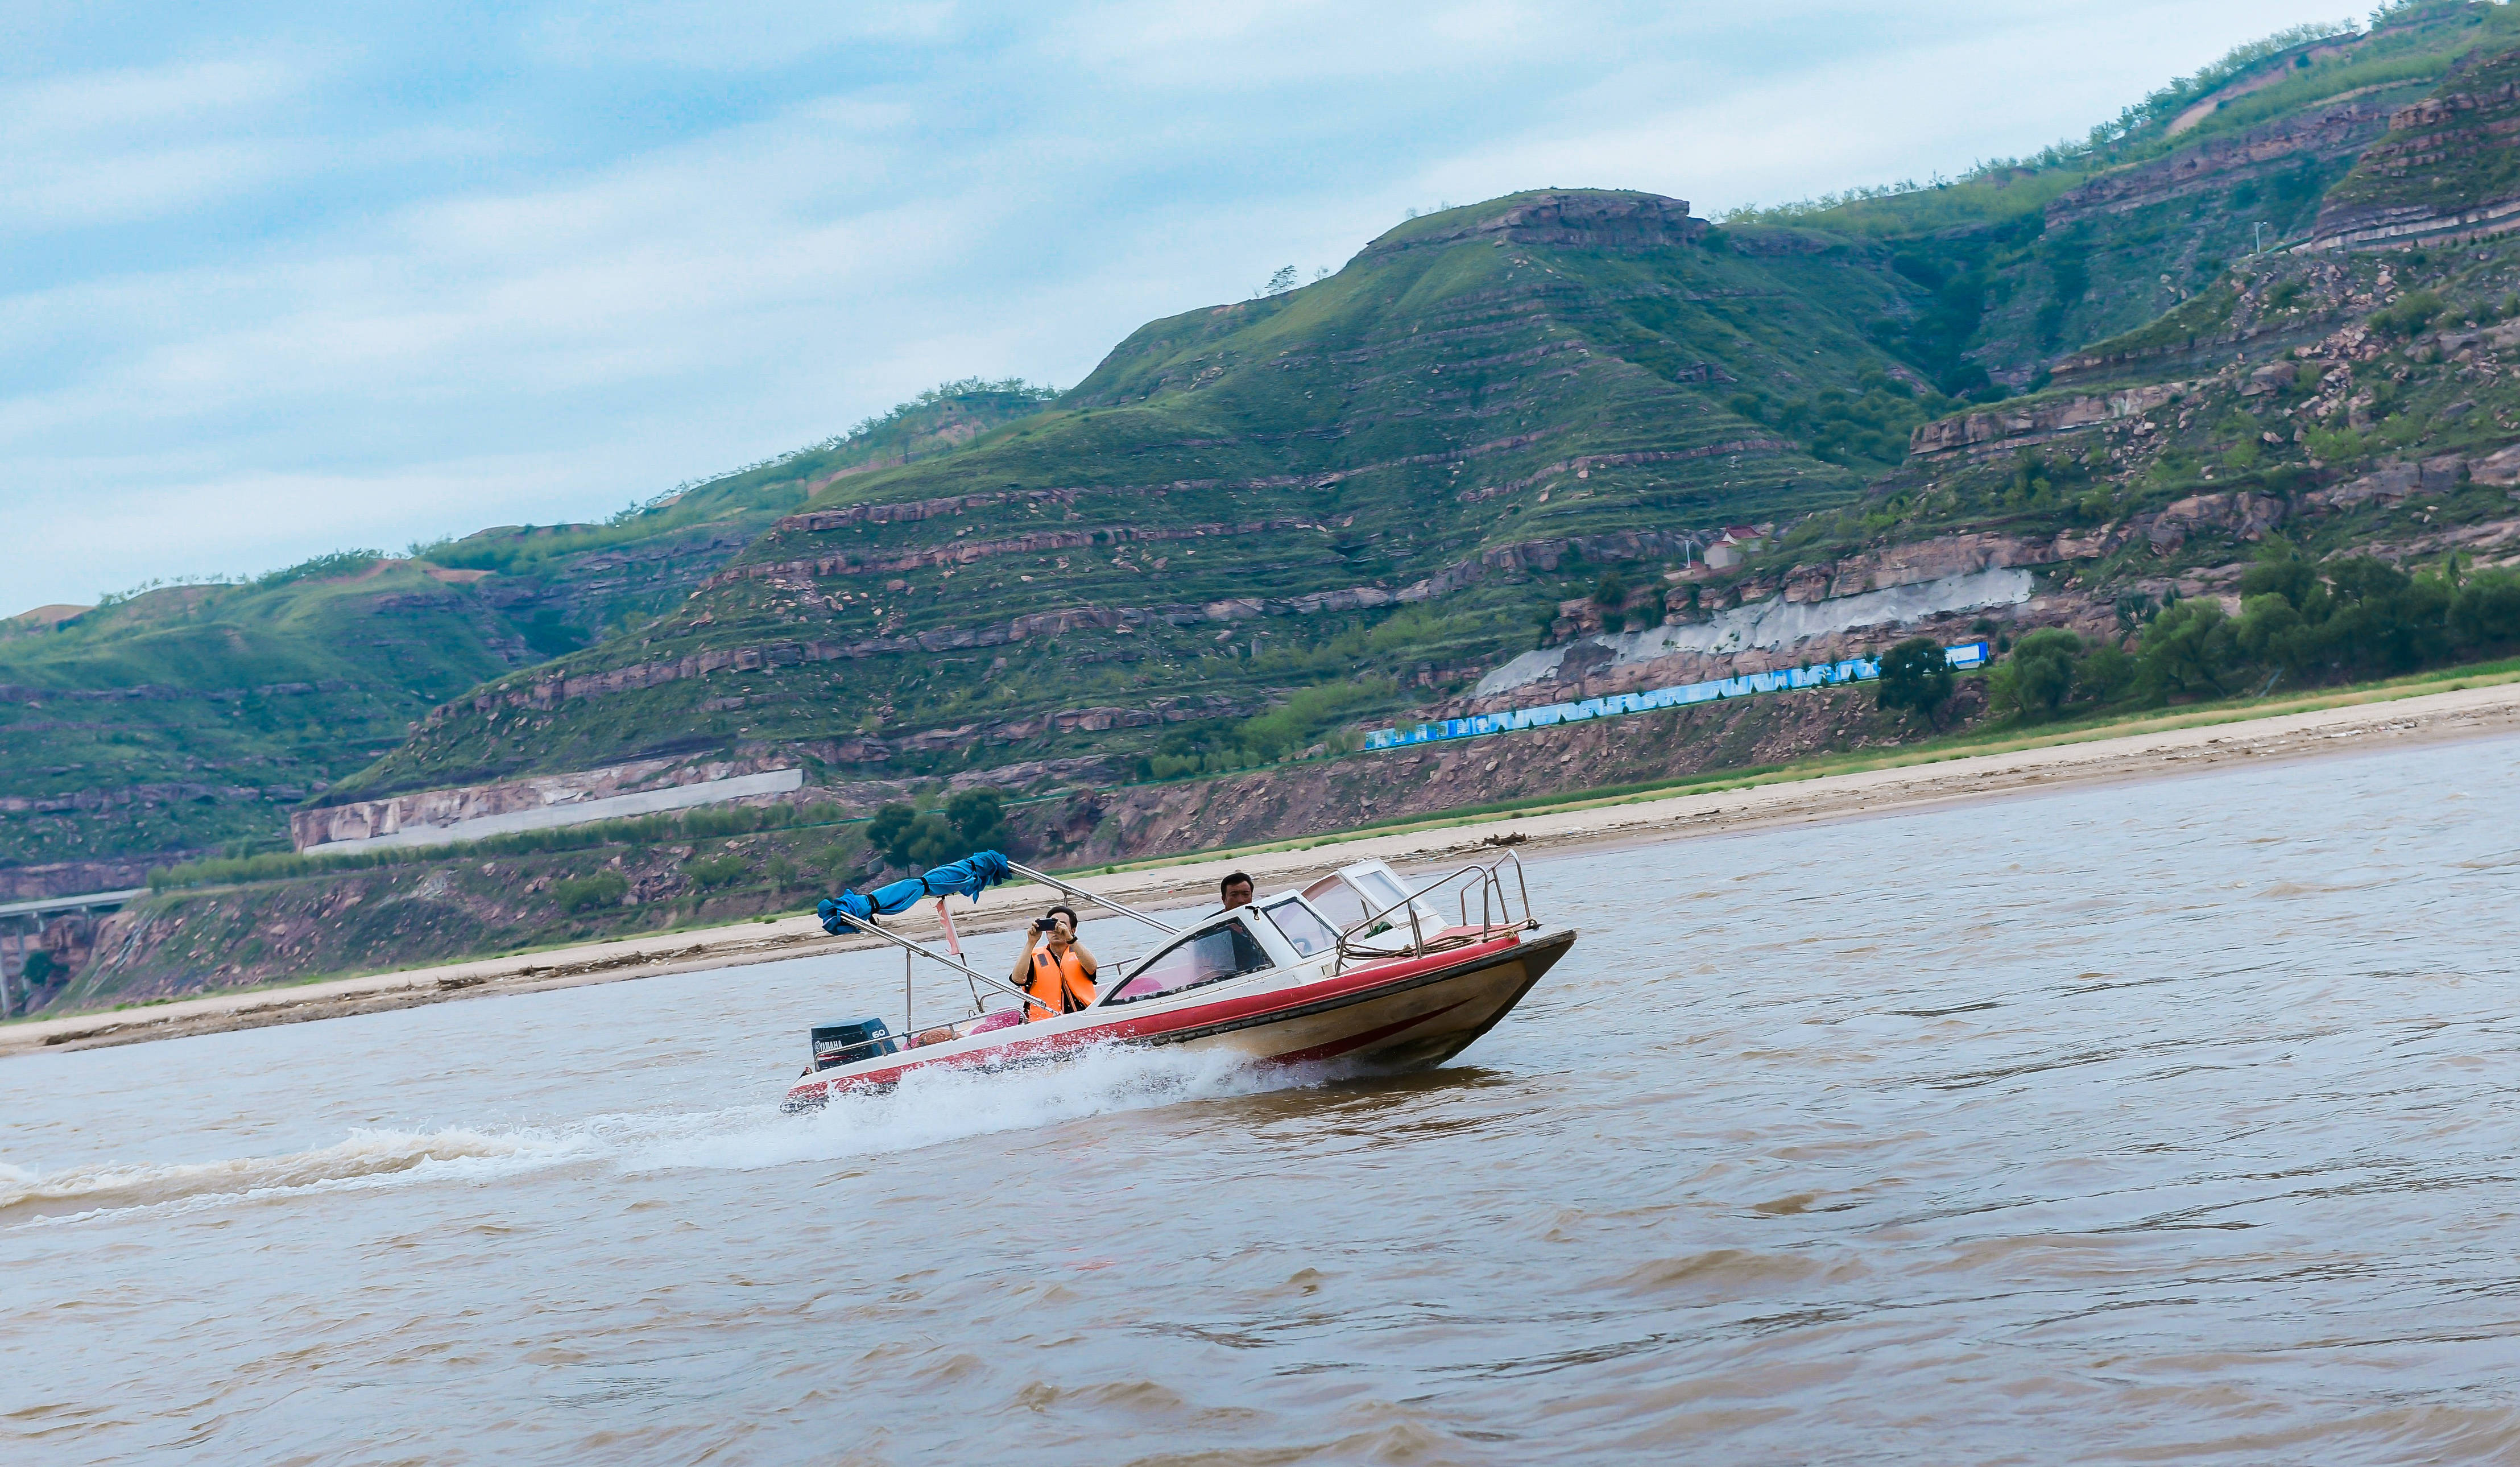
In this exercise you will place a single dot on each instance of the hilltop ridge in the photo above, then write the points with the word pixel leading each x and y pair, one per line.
pixel 188 719
pixel 1479 396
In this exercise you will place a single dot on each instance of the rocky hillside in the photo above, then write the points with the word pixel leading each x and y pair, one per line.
pixel 2325 408
pixel 2448 171
pixel 1257 524
pixel 190 718
pixel 399 915
pixel 2029 262
pixel 1379 483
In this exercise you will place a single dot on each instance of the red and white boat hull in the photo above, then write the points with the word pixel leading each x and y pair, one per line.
pixel 1398 1013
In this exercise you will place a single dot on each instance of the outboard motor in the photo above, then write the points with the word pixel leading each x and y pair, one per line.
pixel 848 1043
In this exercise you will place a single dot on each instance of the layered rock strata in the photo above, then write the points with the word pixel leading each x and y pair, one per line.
pixel 2335 131
pixel 2004 429
pixel 1586 221
pixel 2446 173
pixel 1544 555
pixel 1771 633
pixel 474 810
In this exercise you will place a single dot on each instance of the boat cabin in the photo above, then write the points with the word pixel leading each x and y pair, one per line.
pixel 1286 929
pixel 1348 897
pixel 1364 911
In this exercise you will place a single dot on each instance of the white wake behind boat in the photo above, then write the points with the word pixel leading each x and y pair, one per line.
pixel 1356 969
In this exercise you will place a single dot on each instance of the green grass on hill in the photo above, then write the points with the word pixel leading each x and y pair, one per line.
pixel 938 421
pixel 194 716
pixel 2015 291
pixel 189 718
pixel 2456 164
pixel 1429 404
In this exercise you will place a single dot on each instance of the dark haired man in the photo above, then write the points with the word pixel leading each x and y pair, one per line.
pixel 1235 891
pixel 1054 968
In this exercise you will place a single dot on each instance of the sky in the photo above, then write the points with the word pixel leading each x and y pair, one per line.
pixel 277 280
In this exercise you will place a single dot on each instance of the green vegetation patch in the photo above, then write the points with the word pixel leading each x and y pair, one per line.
pixel 2461 161
pixel 1223 518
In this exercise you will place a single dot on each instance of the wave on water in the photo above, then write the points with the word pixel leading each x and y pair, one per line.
pixel 939 1104
pixel 931 1106
pixel 365 1157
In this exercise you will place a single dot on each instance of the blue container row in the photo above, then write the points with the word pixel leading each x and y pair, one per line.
pixel 1825 674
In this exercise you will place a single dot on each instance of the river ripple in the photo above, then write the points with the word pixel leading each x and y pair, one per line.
pixel 2171 1120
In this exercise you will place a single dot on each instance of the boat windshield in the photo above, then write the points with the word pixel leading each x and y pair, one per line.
pixel 1213 955
pixel 1365 891
pixel 1306 931
pixel 1332 897
pixel 1383 892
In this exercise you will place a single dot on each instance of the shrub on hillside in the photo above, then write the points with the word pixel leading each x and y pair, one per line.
pixel 2186 650
pixel 711 872
pixel 585 894
pixel 2412 313
pixel 980 818
pixel 906 836
pixel 1215 746
pixel 2103 673
pixel 2487 612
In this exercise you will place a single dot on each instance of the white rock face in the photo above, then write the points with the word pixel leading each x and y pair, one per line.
pixel 1776 622
pixel 435 817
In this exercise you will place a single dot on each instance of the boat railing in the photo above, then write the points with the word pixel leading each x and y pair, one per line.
pixel 1044 878
pixel 912 1036
pixel 1498 909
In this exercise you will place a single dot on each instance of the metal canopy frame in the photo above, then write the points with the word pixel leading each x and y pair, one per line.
pixel 925 951
pixel 1080 894
pixel 911 948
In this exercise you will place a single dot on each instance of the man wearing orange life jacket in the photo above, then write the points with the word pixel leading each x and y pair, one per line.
pixel 1054 968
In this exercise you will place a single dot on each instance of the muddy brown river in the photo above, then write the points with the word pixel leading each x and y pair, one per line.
pixel 2164 1121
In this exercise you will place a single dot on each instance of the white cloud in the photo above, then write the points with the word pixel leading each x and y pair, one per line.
pixel 727 34
pixel 1723 137
pixel 119 100
pixel 114 146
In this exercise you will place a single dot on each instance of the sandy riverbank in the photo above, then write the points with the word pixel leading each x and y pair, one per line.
pixel 2472 712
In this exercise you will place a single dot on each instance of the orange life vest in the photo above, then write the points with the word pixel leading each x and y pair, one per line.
pixel 1059 985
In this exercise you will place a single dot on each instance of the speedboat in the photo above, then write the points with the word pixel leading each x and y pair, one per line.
pixel 1358 969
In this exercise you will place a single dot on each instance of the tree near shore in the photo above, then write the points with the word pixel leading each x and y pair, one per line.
pixel 2036 679
pixel 912 838
pixel 2328 622
pixel 1916 675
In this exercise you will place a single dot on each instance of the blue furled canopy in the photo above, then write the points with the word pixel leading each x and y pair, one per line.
pixel 968 877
